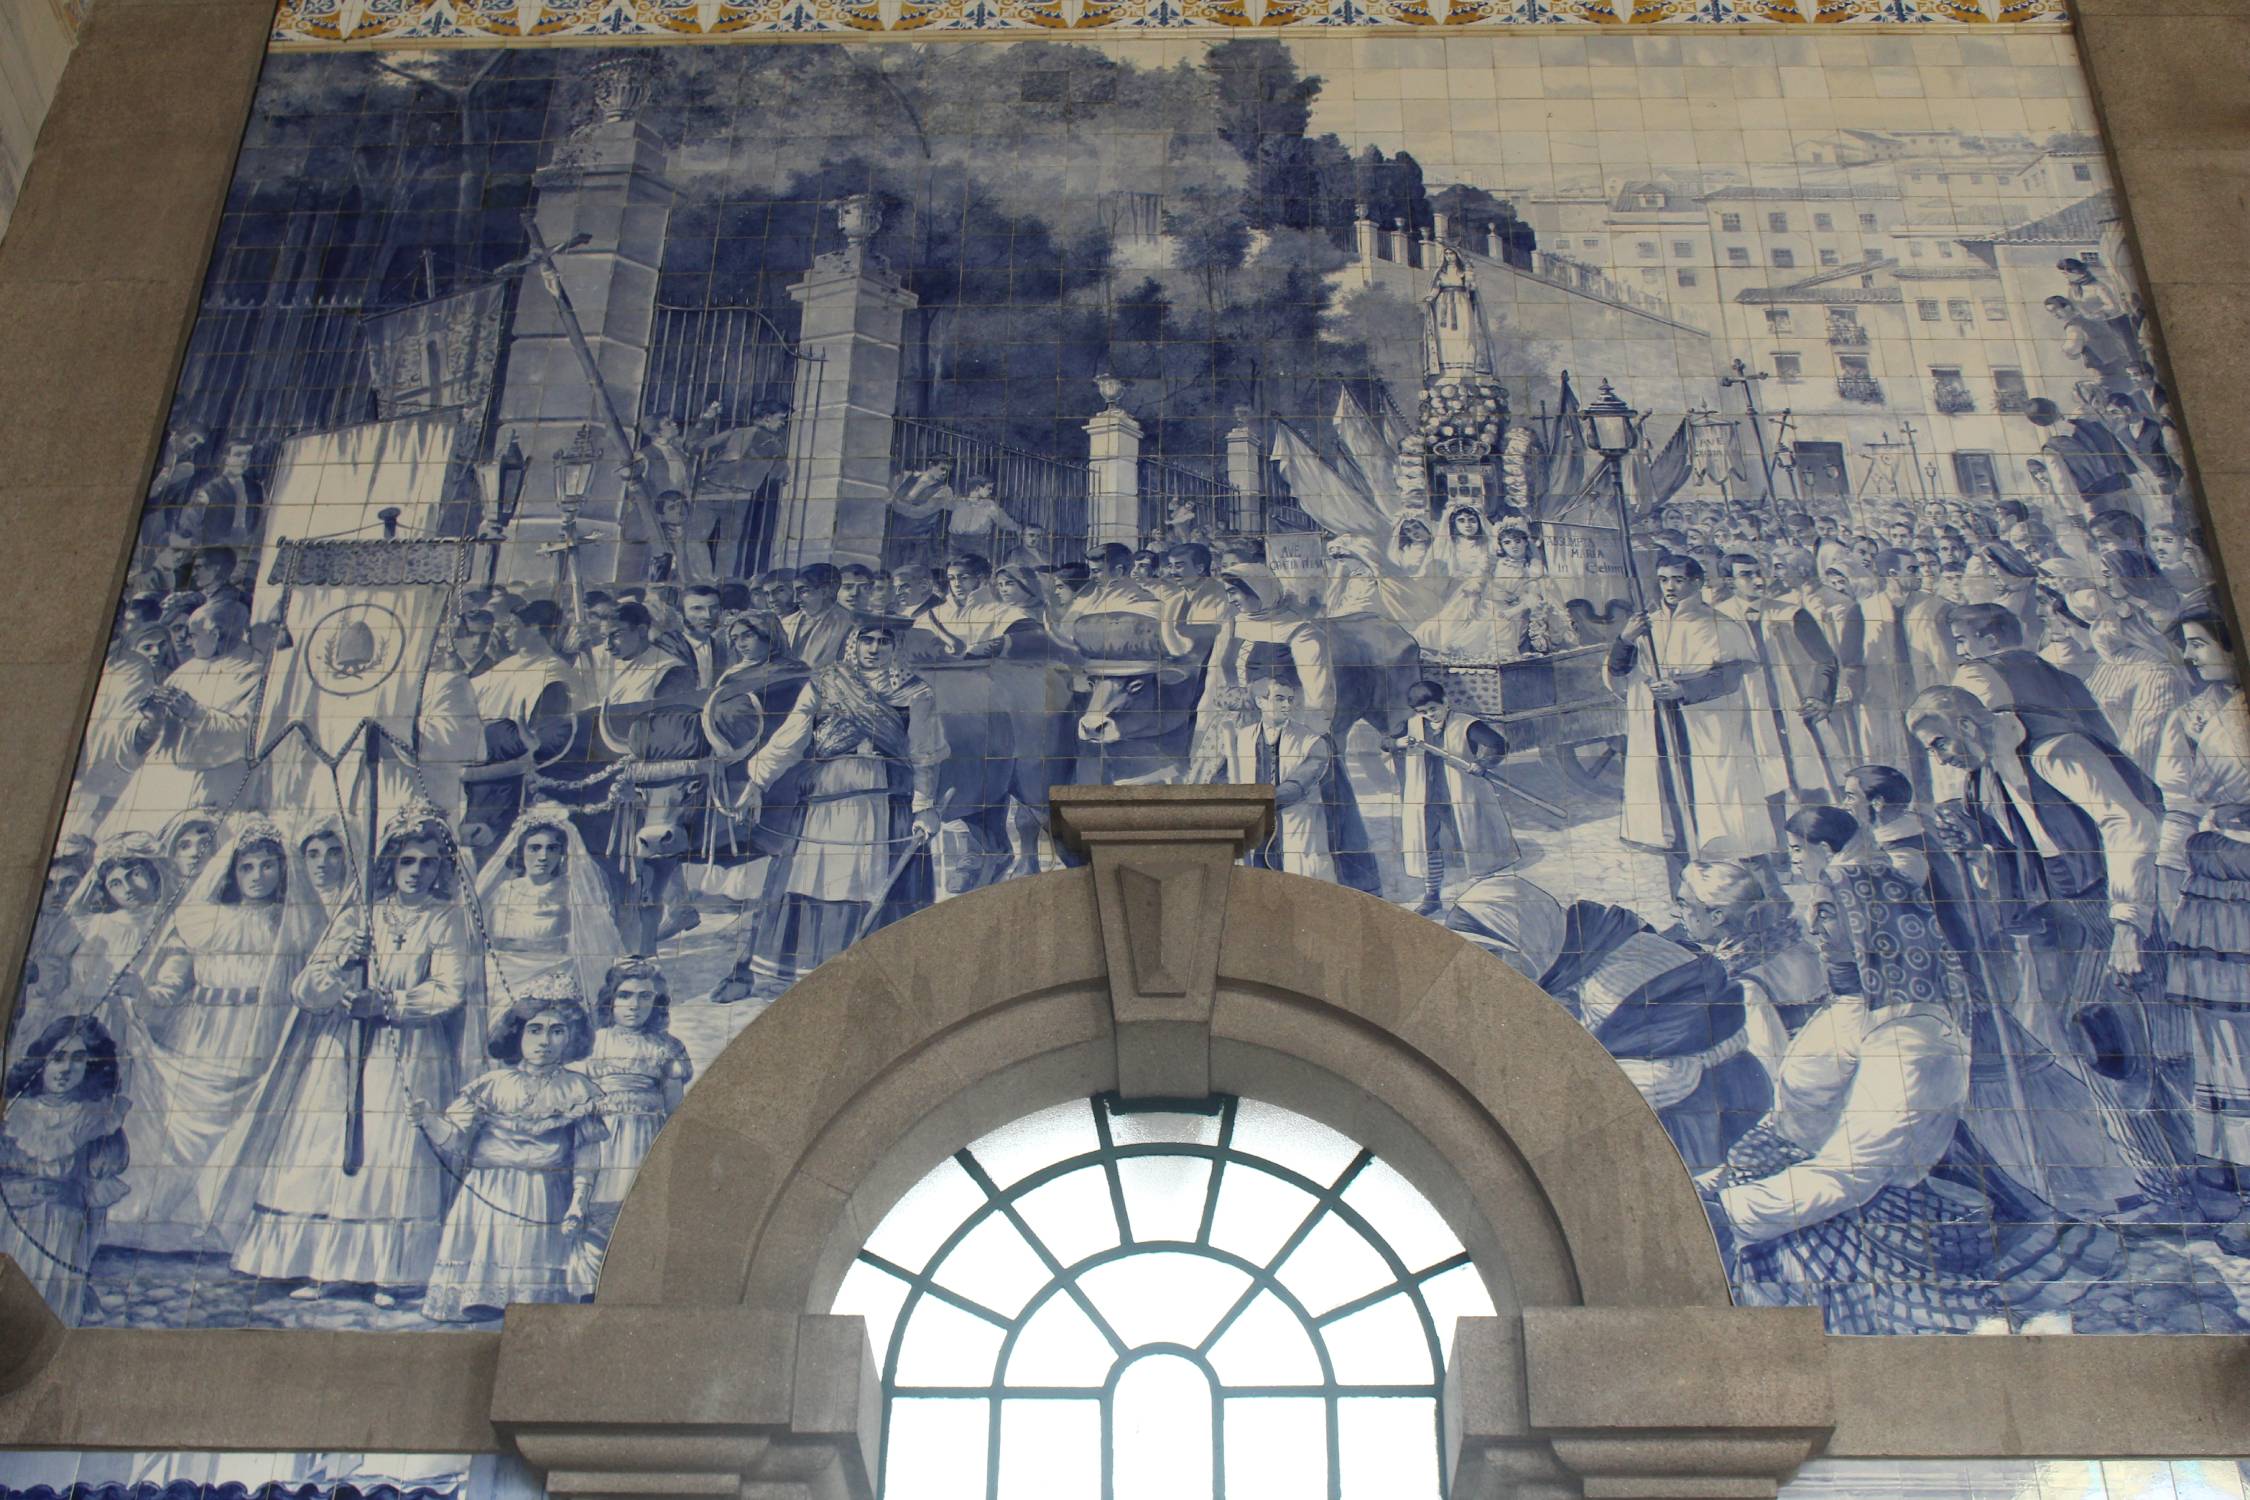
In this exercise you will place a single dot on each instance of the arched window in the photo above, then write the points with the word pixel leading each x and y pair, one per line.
pixel 1218 1301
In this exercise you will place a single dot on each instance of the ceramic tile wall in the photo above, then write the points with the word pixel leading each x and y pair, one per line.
pixel 53 1474
pixel 1244 361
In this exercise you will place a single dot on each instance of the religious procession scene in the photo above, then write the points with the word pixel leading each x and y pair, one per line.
pixel 631 528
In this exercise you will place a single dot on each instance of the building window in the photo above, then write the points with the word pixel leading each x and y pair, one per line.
pixel 1824 221
pixel 1829 258
pixel 1589 243
pixel 1995 310
pixel 1784 257
pixel 1949 392
pixel 1777 320
pixel 1652 276
pixel 2009 393
pixel 1844 331
pixel 1683 247
pixel 1867 221
pixel 1855 381
pixel 1944 250
pixel 1099 1299
pixel 1778 223
pixel 1958 309
pixel 1646 247
pixel 1737 255
pixel 1687 277
pixel 2080 172
pixel 1730 223
pixel 1788 368
pixel 1928 310
pixel 1917 249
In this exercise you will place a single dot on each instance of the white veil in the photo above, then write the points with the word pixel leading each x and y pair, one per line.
pixel 593 943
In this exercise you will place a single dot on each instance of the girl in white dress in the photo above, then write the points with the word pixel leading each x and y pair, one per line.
pixel 641 1070
pixel 545 902
pixel 62 1149
pixel 525 1133
pixel 205 1011
pixel 121 899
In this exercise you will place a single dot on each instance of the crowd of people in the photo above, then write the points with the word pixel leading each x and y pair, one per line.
pixel 1941 995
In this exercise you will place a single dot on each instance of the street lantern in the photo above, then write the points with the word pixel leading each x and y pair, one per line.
pixel 574 468
pixel 501 479
pixel 1613 428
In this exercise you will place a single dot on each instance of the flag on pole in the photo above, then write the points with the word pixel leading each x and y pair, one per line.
pixel 1659 476
pixel 1369 447
pixel 363 623
pixel 1334 501
pixel 1566 454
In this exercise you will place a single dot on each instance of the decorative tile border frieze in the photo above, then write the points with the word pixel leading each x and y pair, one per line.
pixel 314 23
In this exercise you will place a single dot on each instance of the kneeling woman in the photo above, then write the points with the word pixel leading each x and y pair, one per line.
pixel 1829 1201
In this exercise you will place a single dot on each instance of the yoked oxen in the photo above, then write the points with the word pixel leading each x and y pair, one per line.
pixel 1138 720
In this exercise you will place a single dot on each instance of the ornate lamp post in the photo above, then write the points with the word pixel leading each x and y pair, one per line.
pixel 1613 429
pixel 500 479
pixel 574 474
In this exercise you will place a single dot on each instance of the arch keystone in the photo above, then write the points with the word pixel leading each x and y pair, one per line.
pixel 1161 880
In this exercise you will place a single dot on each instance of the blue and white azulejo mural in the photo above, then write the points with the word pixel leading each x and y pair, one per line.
pixel 1703 522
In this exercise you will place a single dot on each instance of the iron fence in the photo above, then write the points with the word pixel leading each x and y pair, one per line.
pixel 1034 489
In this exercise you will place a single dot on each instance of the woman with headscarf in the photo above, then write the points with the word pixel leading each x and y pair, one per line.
pixel 205 1010
pixel 1726 910
pixel 1664 1011
pixel 2137 678
pixel 2202 765
pixel 129 887
pixel 190 839
pixel 865 744
pixel 545 904
pixel 1829 1200
pixel 1412 548
pixel 1263 630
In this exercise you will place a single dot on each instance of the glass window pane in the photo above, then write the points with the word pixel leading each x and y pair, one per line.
pixel 1277 1448
pixel 1402 1216
pixel 1163 1431
pixel 1072 1215
pixel 1060 1346
pixel 1388 1447
pixel 919 1222
pixel 1015 1151
pixel 1050 1450
pixel 1380 1345
pixel 936 1450
pixel 1164 1196
pixel 1458 1293
pixel 946 1346
pixel 1257 1213
pixel 993 1267
pixel 875 1295
pixel 1267 1345
pixel 1164 1296
pixel 1135 1127
pixel 1332 1266
pixel 1291 1139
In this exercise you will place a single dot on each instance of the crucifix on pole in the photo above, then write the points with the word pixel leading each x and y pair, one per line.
pixel 542 258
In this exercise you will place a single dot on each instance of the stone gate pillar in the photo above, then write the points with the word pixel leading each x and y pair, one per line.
pixel 606 183
pixel 849 337
pixel 1113 453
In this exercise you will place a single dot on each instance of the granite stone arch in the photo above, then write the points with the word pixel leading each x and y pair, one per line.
pixel 1162 970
